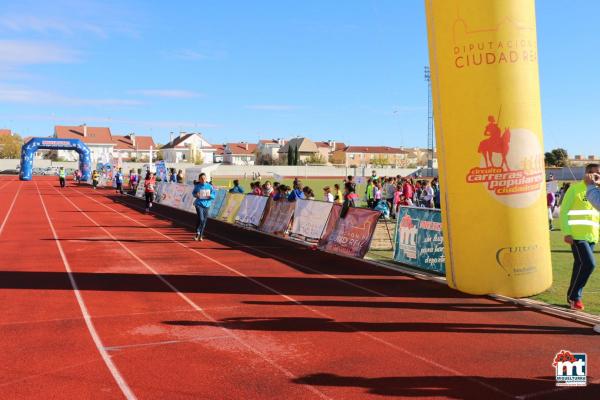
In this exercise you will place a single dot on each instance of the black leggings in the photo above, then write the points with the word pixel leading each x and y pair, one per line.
pixel 149 199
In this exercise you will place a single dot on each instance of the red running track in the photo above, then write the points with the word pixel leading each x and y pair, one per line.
pixel 242 316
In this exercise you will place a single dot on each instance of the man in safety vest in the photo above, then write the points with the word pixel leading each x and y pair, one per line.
pixel 593 189
pixel 62 174
pixel 580 223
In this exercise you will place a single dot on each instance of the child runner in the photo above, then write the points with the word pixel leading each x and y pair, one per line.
pixel 61 176
pixel 204 194
pixel 119 181
pixel 149 185
pixel 95 178
pixel 133 180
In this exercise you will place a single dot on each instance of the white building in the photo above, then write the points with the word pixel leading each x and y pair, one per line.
pixel 269 148
pixel 105 147
pixel 98 139
pixel 239 154
pixel 188 147
pixel 134 147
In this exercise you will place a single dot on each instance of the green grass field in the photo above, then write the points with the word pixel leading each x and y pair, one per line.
pixel 562 260
pixel 562 265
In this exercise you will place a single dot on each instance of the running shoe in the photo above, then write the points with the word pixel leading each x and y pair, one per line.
pixel 576 305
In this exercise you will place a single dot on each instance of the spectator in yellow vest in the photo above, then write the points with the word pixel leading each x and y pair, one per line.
pixel 580 223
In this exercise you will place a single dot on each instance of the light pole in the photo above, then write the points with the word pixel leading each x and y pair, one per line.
pixel 430 138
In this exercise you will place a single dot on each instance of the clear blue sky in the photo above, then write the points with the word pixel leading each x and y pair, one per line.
pixel 348 70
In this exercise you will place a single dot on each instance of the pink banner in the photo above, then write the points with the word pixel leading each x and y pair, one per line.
pixel 278 215
pixel 350 236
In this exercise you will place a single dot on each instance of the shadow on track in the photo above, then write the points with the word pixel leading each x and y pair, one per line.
pixel 309 324
pixel 463 307
pixel 453 387
pixel 301 286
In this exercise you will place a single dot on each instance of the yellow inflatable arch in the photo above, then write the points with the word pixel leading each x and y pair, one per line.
pixel 484 69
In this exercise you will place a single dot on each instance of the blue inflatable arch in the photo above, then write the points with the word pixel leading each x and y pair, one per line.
pixel 28 151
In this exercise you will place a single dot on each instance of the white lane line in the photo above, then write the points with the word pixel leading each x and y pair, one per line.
pixel 195 306
pixel 10 208
pixel 161 343
pixel 289 298
pixel 266 253
pixel 84 311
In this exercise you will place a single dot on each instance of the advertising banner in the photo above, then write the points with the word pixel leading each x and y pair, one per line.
pixel 159 192
pixel 352 234
pixel 419 241
pixel 251 211
pixel 217 204
pixel 488 124
pixel 230 207
pixel 187 200
pixel 139 192
pixel 310 217
pixel 161 170
pixel 177 191
pixel 278 215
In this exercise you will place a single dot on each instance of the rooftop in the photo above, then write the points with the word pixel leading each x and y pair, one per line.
pixel 375 150
pixel 241 148
pixel 92 134
pixel 126 142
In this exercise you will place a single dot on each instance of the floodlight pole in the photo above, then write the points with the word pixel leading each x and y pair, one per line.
pixel 430 134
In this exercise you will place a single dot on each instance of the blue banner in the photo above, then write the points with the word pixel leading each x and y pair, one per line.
pixel 217 203
pixel 161 170
pixel 419 241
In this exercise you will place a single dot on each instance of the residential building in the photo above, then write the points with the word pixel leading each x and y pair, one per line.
pixel 371 156
pixel 134 147
pixel 219 153
pixel 5 132
pixel 307 149
pixel 582 161
pixel 269 149
pixel 239 154
pixel 98 139
pixel 188 147
pixel 328 148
